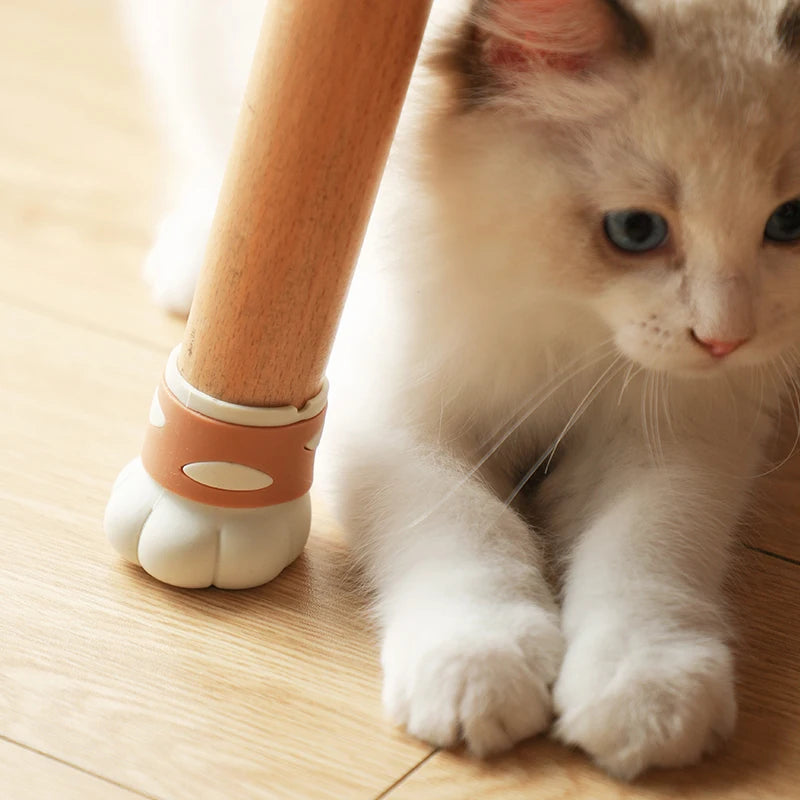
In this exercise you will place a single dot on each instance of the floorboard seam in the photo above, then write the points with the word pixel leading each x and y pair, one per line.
pixel 389 789
pixel 770 554
pixel 91 774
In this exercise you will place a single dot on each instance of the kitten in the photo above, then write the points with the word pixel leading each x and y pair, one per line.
pixel 574 318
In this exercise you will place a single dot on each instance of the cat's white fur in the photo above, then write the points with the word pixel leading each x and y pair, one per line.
pixel 487 305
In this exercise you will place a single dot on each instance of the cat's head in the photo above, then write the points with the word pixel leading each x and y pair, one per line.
pixel 641 157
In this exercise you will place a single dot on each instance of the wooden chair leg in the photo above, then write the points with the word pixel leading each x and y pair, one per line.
pixel 221 495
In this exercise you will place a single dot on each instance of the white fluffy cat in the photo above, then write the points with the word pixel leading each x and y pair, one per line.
pixel 575 314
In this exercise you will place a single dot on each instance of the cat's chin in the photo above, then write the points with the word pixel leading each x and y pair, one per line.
pixel 709 370
pixel 716 367
pixel 689 368
pixel 702 371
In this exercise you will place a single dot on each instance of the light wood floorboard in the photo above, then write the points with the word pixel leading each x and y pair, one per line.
pixel 83 174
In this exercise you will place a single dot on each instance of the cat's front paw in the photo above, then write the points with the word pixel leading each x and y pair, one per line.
pixel 479 677
pixel 664 704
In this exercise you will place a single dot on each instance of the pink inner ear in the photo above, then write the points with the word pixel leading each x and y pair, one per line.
pixel 562 34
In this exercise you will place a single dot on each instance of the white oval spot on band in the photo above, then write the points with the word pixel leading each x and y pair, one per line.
pixel 157 418
pixel 314 443
pixel 225 475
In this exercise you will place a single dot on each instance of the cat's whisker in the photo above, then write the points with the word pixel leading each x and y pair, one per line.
pixel 757 372
pixel 537 403
pixel 772 371
pixel 630 376
pixel 625 381
pixel 734 400
pixel 585 403
pixel 559 380
pixel 527 476
pixel 665 403
pixel 643 412
pixel 790 382
pixel 548 454
pixel 793 383
pixel 655 418
pixel 654 427
pixel 441 420
pixel 791 360
pixel 657 411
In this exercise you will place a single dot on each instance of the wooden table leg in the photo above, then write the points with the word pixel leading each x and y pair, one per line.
pixel 320 110
pixel 222 497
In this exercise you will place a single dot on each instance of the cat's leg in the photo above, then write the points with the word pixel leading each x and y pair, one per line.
pixel 471 641
pixel 174 261
pixel 647 678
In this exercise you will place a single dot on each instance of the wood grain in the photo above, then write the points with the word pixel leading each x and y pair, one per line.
pixel 78 210
pixel 321 106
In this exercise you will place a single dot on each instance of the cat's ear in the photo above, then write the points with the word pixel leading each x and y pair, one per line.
pixel 789 29
pixel 506 41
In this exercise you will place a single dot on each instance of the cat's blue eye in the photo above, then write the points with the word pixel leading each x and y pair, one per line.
pixel 636 231
pixel 784 224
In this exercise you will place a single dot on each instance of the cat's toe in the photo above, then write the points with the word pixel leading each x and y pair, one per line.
pixel 660 706
pixel 505 705
pixel 485 686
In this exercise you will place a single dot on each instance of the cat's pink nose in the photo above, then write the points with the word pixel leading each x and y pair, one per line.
pixel 717 347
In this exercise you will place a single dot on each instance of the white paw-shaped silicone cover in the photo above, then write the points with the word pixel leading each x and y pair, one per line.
pixel 194 545
pixel 220 496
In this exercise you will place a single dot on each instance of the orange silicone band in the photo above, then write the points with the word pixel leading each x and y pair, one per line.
pixel 285 453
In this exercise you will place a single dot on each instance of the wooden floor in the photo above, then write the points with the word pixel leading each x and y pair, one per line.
pixel 115 687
